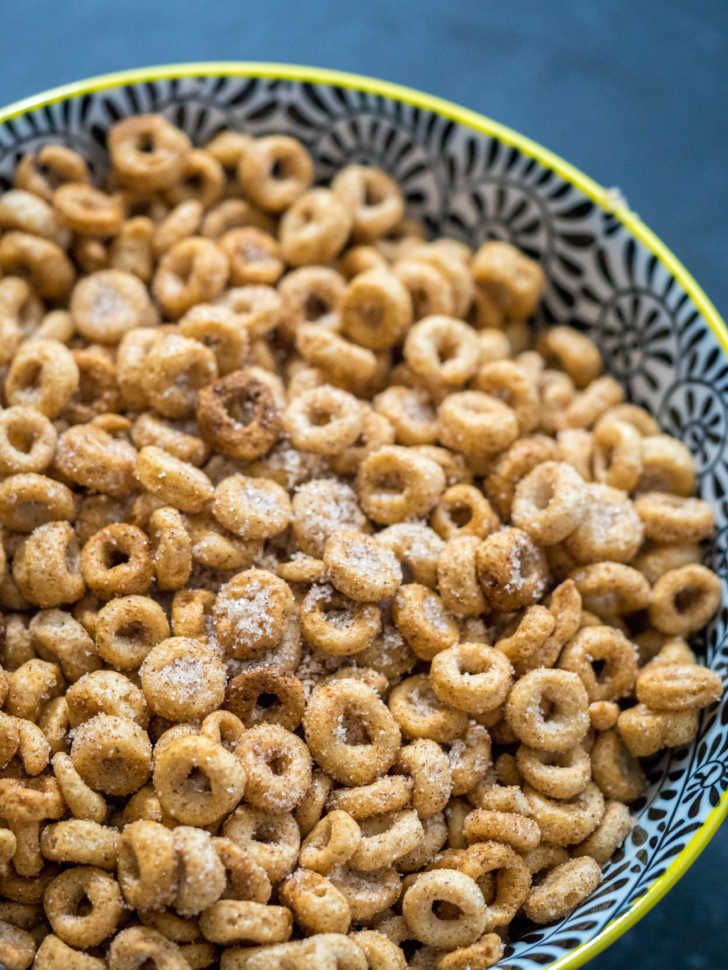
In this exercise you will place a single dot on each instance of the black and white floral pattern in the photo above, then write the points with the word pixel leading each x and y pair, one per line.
pixel 474 187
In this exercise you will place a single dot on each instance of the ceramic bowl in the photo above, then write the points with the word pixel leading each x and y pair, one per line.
pixel 471 178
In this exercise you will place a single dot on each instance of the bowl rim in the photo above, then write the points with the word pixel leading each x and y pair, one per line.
pixel 609 200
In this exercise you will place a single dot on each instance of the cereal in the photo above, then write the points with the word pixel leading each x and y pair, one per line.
pixel 336 616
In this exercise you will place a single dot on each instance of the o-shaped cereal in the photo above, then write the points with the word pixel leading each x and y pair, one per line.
pixel 105 692
pixel 476 424
pixel 239 414
pixel 147 151
pixel 27 440
pixel 674 518
pixel 376 309
pixel 252 508
pixel 332 842
pixel 42 375
pixel 360 567
pixel 274 171
pixel 556 774
pixel 342 709
pixel 420 616
pixel 182 679
pixel 324 420
pixel 314 229
pixel 611 530
pixel 568 719
pixel 337 625
pixel 609 646
pixel 177 768
pixel 137 945
pixel 562 890
pixel 678 686
pixel 684 599
pixel 549 502
pixel 444 886
pixel 245 692
pixel 277 765
pixel 617 772
pixel 394 484
pixel 116 562
pixel 421 714
pixel 127 628
pixel 442 351
pixel 271 840
pixel 63 900
pixel 125 301
pixel 316 903
pixel 111 754
pixel 567 821
pixel 472 677
pixel 512 570
pixel 147 866
pixel 374 199
pixel 251 613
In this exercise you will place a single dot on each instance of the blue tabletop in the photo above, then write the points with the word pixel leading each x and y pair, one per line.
pixel 632 91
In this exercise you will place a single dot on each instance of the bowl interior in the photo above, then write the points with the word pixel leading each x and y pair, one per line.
pixel 478 183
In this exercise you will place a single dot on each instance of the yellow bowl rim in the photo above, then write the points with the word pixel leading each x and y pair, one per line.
pixel 607 200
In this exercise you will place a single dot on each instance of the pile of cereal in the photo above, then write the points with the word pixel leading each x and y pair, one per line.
pixel 338 607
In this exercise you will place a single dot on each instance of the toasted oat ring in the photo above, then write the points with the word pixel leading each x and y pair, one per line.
pixel 147 865
pixel 558 775
pixel 331 842
pixel 277 766
pixel 602 644
pixel 324 420
pixel 562 890
pixel 512 879
pixel 175 770
pixel 337 625
pixel 390 793
pixel 684 599
pixel 472 677
pixel 376 309
pixel 62 903
pixel 394 484
pixel 147 152
pixel 246 692
pixel 352 701
pixel 274 171
pixel 567 821
pixel 374 198
pixel 239 415
pixel 568 721
pixel 385 839
pixel 549 502
pixel 678 686
pixel 88 211
pixel 674 518
pixel 314 229
pixel 421 714
pixel 444 886
pixel 510 828
pixel 98 557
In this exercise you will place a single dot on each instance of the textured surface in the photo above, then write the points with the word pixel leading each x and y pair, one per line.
pixel 602 105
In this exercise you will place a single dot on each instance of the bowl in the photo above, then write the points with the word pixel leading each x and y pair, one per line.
pixel 471 178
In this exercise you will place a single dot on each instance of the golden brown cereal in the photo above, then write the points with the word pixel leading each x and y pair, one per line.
pixel 314 229
pixel 147 152
pixel 239 415
pixel 350 732
pixel 684 599
pixel 511 569
pixel 395 484
pixel 566 723
pixel 562 889
pixel 107 304
pixel 345 447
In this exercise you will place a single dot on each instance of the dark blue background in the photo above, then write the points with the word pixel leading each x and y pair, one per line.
pixel 635 92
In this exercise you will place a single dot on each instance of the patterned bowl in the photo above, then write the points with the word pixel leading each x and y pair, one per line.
pixel 473 179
